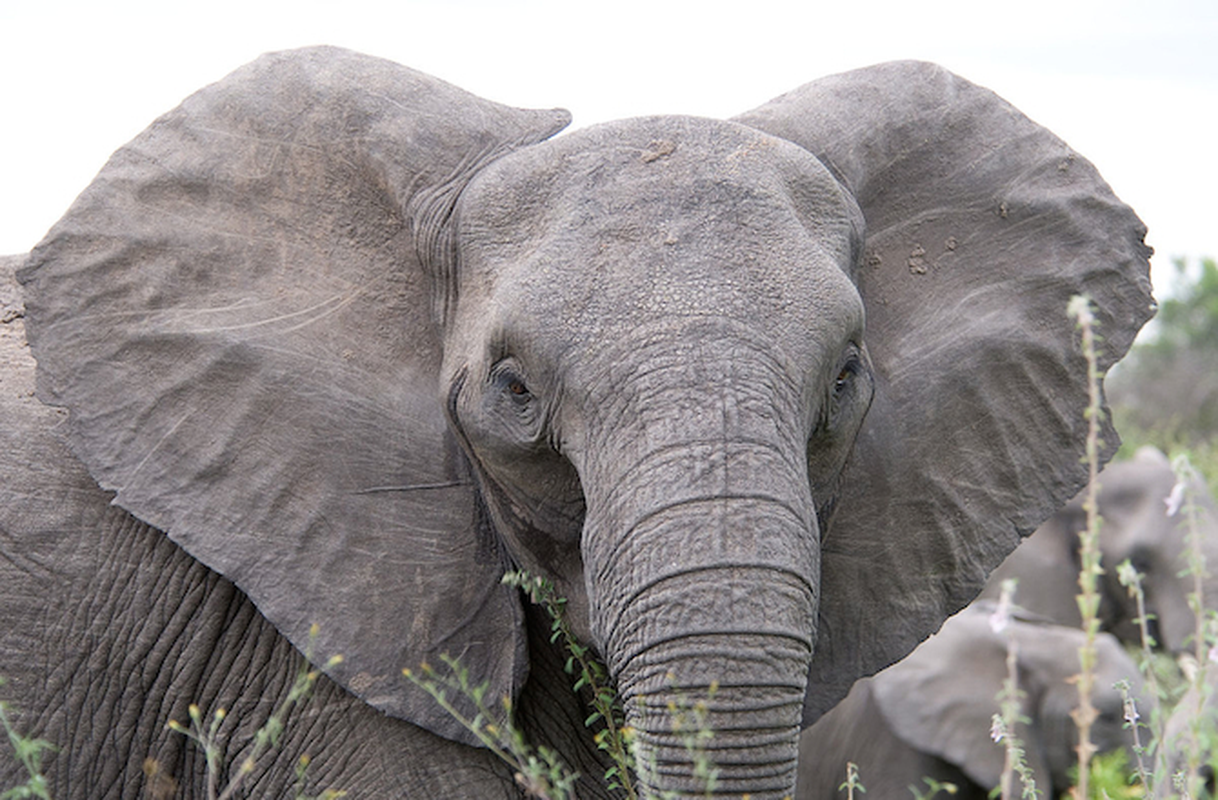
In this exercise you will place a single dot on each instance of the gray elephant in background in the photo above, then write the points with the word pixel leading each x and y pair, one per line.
pixel 1196 710
pixel 336 342
pixel 1136 526
pixel 929 715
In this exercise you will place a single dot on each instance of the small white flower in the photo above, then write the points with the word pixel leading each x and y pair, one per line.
pixel 1175 499
pixel 1131 711
pixel 998 731
pixel 1001 617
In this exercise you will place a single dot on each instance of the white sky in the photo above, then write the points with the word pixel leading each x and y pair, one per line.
pixel 1131 85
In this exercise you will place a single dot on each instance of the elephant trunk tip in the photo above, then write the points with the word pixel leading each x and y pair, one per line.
pixel 717 740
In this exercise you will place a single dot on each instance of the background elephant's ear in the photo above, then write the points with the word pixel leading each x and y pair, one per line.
pixel 241 314
pixel 942 698
pixel 981 225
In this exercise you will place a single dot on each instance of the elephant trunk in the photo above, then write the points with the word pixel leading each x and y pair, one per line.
pixel 704 605
pixel 728 701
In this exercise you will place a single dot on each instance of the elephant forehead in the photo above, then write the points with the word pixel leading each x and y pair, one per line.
pixel 1133 501
pixel 664 217
pixel 654 181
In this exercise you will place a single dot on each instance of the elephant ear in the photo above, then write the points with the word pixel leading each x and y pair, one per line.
pixel 241 314
pixel 941 700
pixel 981 225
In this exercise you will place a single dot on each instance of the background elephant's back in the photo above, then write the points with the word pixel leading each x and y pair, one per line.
pixel 856 731
pixel 1045 566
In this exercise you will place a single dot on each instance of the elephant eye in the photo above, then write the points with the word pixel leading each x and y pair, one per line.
pixel 507 377
pixel 849 369
pixel 850 393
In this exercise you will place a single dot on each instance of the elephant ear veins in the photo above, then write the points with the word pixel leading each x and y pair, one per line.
pixel 238 318
pixel 981 226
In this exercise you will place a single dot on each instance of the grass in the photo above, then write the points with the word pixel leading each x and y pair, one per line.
pixel 29 752
pixel 538 770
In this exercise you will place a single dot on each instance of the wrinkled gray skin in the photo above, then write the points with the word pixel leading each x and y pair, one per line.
pixel 1136 527
pixel 929 715
pixel 335 342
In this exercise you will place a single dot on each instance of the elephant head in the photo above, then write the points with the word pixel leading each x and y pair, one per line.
pixel 765 398
pixel 1137 526
pixel 930 714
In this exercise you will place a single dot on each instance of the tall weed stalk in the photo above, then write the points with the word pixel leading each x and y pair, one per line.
pixel 538 770
pixel 1183 500
pixel 1131 579
pixel 691 723
pixel 852 784
pixel 614 737
pixel 1187 783
pixel 1089 548
pixel 1010 701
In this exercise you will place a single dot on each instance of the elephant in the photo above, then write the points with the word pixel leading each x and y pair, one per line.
pixel 334 343
pixel 1136 526
pixel 929 715
pixel 1188 737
